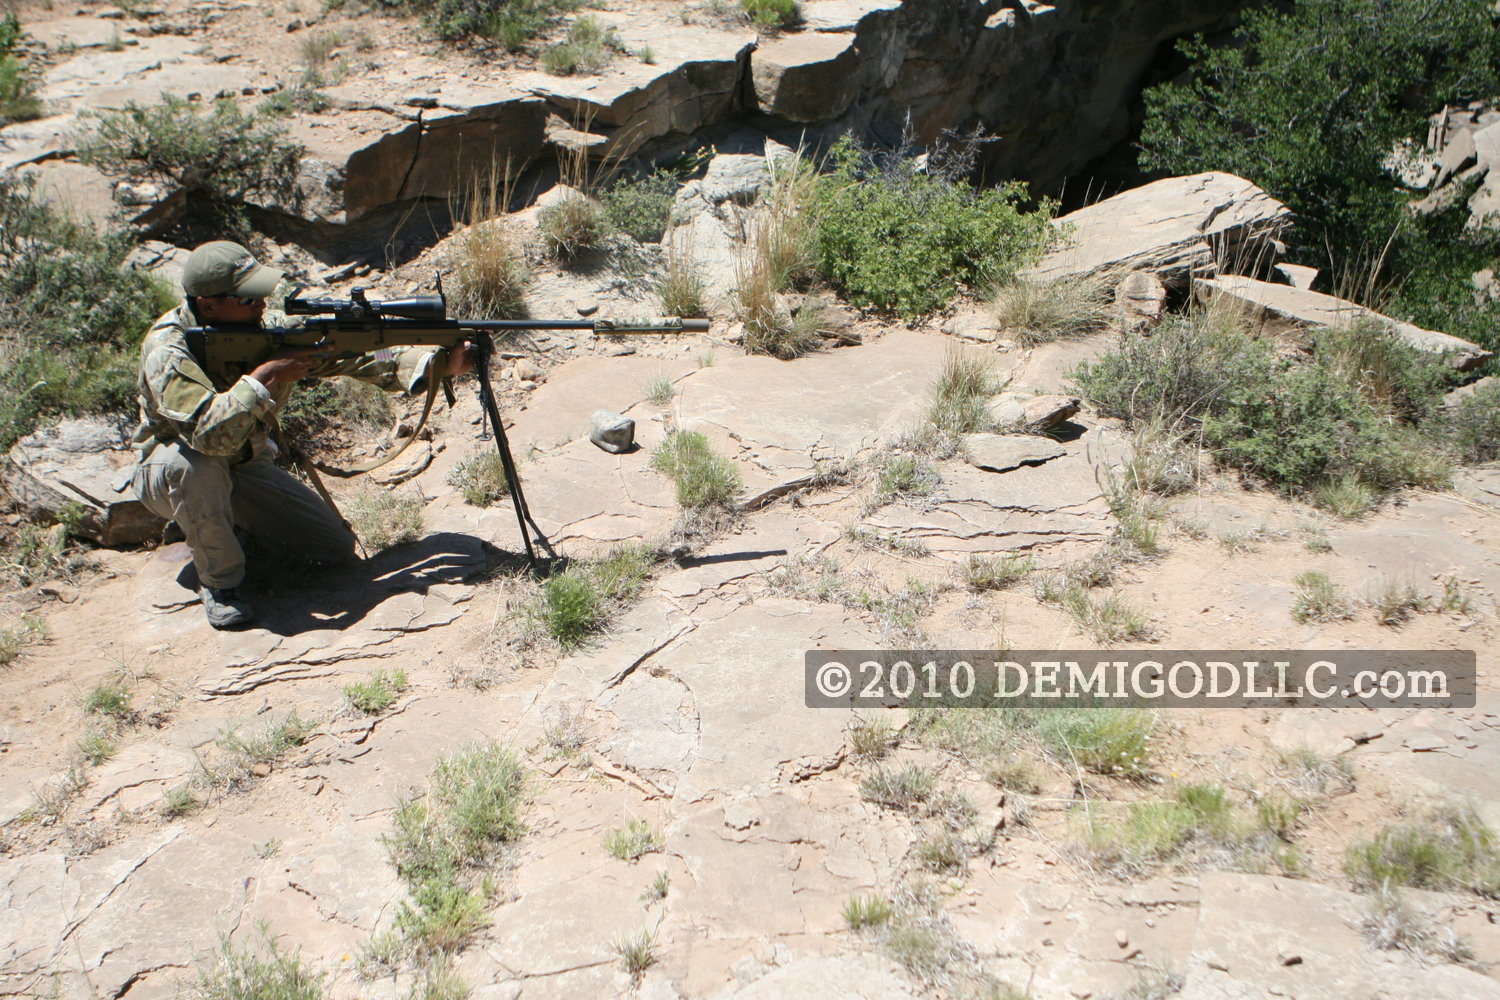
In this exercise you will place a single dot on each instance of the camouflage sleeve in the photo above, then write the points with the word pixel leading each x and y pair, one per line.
pixel 215 423
pixel 402 368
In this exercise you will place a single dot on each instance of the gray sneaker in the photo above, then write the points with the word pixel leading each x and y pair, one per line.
pixel 224 607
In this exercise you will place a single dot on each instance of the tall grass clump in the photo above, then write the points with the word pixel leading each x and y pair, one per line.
pixel 781 254
pixel 901 239
pixel 703 478
pixel 959 394
pixel 490 272
pixel 385 518
pixel 1036 311
pixel 75 319
pixel 682 289
pixel 1298 425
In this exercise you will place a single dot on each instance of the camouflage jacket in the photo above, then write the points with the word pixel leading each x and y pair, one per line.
pixel 179 401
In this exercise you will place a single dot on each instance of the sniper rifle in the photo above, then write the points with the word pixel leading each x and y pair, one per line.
pixel 344 329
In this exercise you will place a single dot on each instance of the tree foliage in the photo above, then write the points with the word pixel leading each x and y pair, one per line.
pixel 1311 100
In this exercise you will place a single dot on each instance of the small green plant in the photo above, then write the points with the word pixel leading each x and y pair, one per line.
pixel 1455 599
pixel 1395 601
pixel 1106 619
pixel 178 801
pixel 511 24
pixel 15 640
pixel 97 747
pixel 577 602
pixel 36 554
pixel 958 395
pixel 590 46
pixel 861 912
pixel 378 692
pixel 658 888
pixel 440 916
pixel 772 13
pixel 902 476
pixel 385 518
pixel 481 479
pixel 439 980
pixel 1114 741
pixel 257 973
pixel 917 948
pixel 903 789
pixel 1344 496
pixel 660 390
pixel 1446 848
pixel 565 733
pixel 1199 820
pixel 1035 312
pixel 1391 923
pixel 111 699
pixel 632 841
pixel 943 853
pixel 1319 599
pixel 982 572
pixel 336 405
pixel 637 953
pixel 871 739
pixel 703 478
pixel 269 742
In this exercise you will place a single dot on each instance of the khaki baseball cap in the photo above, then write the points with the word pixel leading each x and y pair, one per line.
pixel 224 268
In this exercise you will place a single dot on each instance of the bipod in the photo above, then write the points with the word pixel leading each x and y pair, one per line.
pixel 484 348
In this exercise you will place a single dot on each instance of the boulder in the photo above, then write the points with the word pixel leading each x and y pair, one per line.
pixel 1034 414
pixel 613 432
pixel 1003 452
pixel 1296 275
pixel 1141 299
pixel 1176 229
pixel 1456 398
pixel 805 77
pixel 1282 308
pixel 79 462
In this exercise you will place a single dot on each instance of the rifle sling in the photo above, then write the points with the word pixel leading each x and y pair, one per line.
pixel 433 381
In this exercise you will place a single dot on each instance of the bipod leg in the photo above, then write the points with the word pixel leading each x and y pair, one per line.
pixel 484 346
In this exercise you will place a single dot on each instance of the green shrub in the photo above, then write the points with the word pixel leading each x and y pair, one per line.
pixel 1035 312
pixel 1105 740
pixel 75 318
pixel 339 404
pixel 867 911
pixel 903 789
pixel 296 100
pixel 219 150
pixel 511 22
pixel 1319 599
pixel 995 572
pixel 1299 426
pixel 703 478
pixel 640 207
pixel 111 699
pixel 472 809
pixel 772 13
pixel 959 395
pixel 897 239
pixel 570 225
pixel 1474 426
pixel 18 97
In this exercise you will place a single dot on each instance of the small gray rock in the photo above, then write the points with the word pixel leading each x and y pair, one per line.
pixel 611 431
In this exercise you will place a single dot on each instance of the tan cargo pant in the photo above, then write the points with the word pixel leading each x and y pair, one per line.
pixel 208 497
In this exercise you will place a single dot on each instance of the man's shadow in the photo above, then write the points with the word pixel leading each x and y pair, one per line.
pixel 292 596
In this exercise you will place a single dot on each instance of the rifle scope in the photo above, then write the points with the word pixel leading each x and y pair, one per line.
pixel 357 307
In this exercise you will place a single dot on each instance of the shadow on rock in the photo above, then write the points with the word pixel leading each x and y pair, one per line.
pixel 292 596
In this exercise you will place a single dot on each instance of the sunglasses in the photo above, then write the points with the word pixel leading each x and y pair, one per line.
pixel 240 299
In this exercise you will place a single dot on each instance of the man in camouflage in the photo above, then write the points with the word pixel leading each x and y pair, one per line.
pixel 204 450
